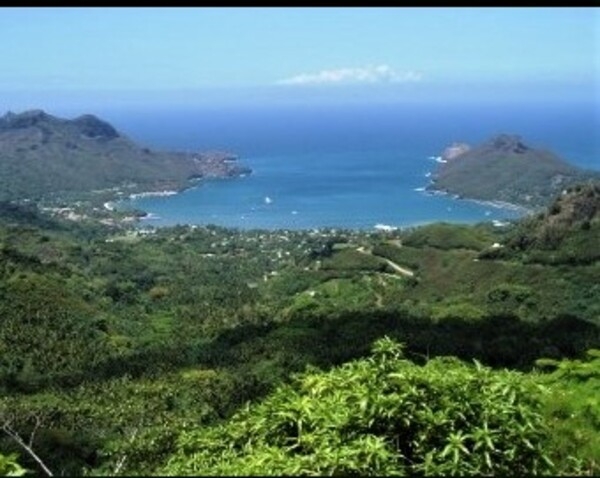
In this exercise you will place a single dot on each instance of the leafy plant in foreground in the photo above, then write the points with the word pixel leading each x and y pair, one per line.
pixel 10 467
pixel 381 415
pixel 573 411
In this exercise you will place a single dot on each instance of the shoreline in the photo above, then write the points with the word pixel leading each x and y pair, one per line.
pixel 495 203
pixel 192 184
pixel 165 192
pixel 374 227
pixel 377 226
pixel 149 217
pixel 502 205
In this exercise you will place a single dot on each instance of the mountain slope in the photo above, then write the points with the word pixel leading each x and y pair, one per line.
pixel 41 154
pixel 505 169
pixel 568 232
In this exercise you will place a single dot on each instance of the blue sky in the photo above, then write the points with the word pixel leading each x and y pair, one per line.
pixel 87 56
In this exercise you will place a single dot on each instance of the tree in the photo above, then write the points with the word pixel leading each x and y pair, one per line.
pixel 26 444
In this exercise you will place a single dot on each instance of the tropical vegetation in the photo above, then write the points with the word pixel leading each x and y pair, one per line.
pixel 445 349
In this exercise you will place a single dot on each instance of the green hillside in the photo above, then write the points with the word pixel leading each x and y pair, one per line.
pixel 176 351
pixel 505 169
pixel 567 232
pixel 41 155
pixel 384 415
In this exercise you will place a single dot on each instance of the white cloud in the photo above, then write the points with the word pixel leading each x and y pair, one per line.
pixel 369 74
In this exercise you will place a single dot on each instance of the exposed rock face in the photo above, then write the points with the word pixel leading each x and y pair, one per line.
pixel 508 143
pixel 41 154
pixel 455 150
pixel 504 168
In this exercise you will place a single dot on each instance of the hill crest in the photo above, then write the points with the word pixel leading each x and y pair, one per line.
pixel 41 155
pixel 505 168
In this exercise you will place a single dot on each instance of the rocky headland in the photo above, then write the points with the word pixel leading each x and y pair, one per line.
pixel 42 155
pixel 505 169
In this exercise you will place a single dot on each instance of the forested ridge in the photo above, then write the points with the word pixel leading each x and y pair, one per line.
pixel 444 349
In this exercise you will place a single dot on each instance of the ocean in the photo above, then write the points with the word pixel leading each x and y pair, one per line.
pixel 352 166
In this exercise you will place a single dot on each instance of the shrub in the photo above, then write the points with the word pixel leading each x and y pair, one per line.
pixel 10 467
pixel 381 415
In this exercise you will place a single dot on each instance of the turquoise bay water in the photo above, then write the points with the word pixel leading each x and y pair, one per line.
pixel 352 167
pixel 352 190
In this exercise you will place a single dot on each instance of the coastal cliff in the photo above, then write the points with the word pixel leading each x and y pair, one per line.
pixel 454 150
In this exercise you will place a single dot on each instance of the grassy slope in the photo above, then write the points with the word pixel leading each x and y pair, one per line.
pixel 528 177
pixel 47 155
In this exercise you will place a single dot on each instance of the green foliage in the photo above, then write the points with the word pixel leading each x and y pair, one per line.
pixel 505 169
pixel 43 155
pixel 352 260
pixel 96 426
pixel 566 234
pixel 405 256
pixel 457 310
pixel 449 236
pixel 333 295
pixel 121 341
pixel 573 411
pixel 506 298
pixel 9 466
pixel 382 415
pixel 47 335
